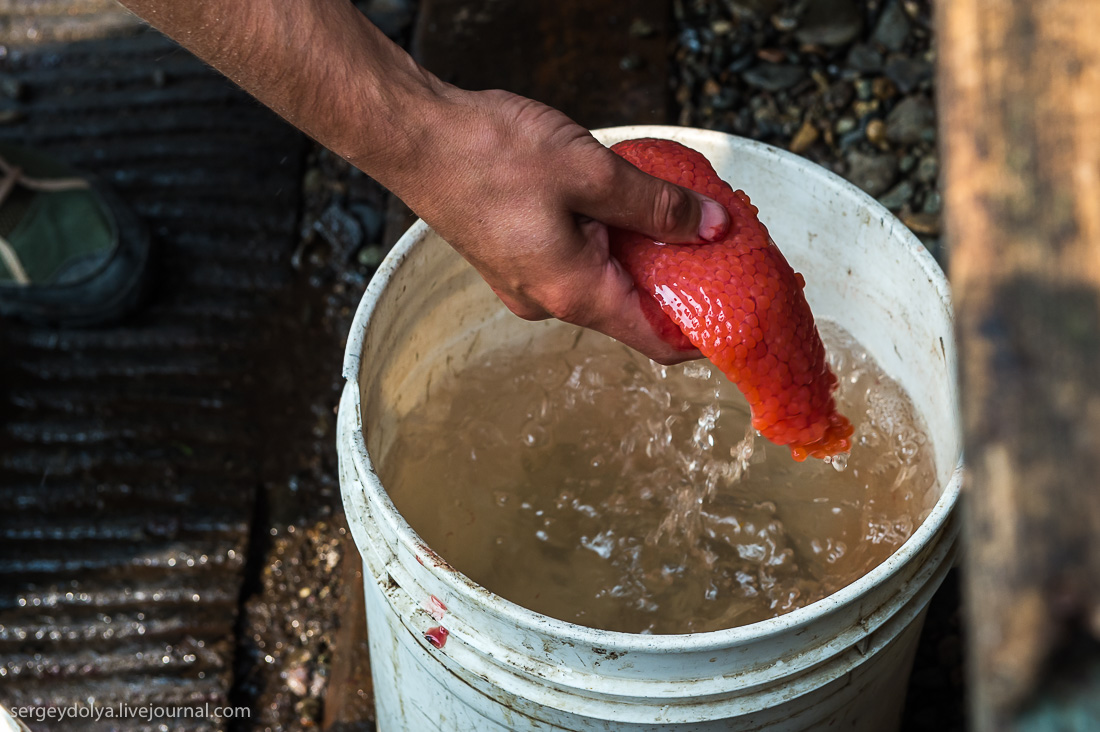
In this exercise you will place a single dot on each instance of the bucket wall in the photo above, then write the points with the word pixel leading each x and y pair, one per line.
pixel 841 661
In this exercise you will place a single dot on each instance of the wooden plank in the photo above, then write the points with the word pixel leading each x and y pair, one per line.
pixel 601 63
pixel 1019 95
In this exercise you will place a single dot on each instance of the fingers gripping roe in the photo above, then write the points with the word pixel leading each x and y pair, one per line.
pixel 740 303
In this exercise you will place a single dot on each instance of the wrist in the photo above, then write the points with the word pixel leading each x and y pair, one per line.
pixel 389 116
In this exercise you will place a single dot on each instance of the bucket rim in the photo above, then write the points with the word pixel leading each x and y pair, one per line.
pixel 383 508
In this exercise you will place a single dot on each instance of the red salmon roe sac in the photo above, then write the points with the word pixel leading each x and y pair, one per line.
pixel 741 304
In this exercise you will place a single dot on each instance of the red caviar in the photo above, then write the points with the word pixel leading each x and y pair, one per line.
pixel 741 304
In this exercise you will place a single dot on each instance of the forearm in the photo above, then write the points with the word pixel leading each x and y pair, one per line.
pixel 520 190
pixel 318 63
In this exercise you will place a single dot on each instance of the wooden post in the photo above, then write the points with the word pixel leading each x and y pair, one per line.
pixel 1019 99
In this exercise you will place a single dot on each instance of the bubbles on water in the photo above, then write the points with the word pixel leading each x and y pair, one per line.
pixel 907 448
pixel 702 437
pixel 602 544
pixel 585 509
pixel 698 370
pixel 593 379
pixel 661 398
pixel 830 550
pixel 533 435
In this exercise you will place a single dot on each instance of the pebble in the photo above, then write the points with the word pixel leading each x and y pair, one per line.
pixel 784 23
pixel 864 89
pixel 830 23
pixel 640 28
pixel 933 202
pixel 892 28
pixel 871 172
pixel 897 196
pixel 862 109
pixel 313 181
pixel 883 88
pixel 807 134
pixel 772 55
pixel 689 39
pixel 774 77
pixel 297 680
pixel 308 711
pixel 741 63
pixel 370 218
pixel 371 256
pixel 768 120
pixel 752 9
pixel 726 99
pixel 912 120
pixel 340 229
pixel 876 133
pixel 853 138
pixel 907 73
pixel 11 87
pixel 927 169
pixel 845 125
pixel 863 57
pixel 924 223
pixel 839 95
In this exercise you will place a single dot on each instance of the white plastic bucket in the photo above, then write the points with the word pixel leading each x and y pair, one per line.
pixel 840 663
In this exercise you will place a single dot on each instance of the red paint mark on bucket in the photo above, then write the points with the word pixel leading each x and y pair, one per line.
pixel 435 607
pixel 437 636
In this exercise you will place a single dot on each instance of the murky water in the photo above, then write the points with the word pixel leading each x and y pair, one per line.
pixel 595 486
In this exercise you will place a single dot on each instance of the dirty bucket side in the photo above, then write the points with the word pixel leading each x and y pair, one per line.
pixel 505 665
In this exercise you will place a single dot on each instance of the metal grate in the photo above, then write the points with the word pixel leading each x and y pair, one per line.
pixel 130 456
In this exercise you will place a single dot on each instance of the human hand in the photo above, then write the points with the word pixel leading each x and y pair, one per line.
pixel 521 191
pixel 526 196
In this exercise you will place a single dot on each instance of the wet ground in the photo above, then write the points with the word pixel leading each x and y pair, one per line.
pixel 172 478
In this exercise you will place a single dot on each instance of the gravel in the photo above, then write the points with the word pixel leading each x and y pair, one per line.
pixel 848 84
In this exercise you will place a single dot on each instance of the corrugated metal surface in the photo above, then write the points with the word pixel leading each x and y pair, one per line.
pixel 130 456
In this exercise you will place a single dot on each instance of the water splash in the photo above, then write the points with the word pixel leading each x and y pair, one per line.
pixel 637 497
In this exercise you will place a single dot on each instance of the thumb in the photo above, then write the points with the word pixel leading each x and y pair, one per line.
pixel 661 210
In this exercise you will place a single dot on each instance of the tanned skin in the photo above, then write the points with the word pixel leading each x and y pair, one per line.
pixel 520 190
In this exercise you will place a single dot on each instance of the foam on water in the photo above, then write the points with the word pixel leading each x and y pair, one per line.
pixel 597 487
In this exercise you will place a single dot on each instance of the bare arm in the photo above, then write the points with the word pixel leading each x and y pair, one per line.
pixel 521 191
